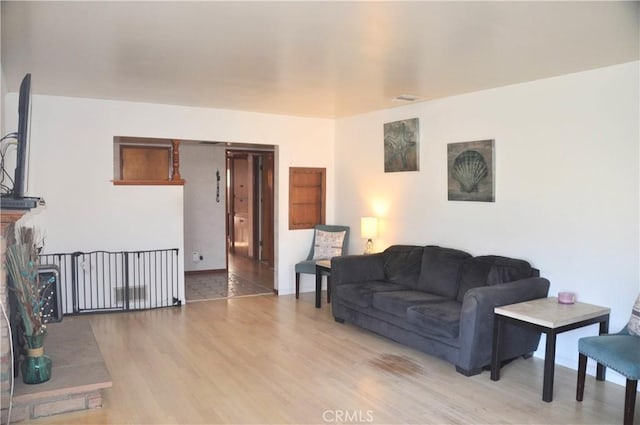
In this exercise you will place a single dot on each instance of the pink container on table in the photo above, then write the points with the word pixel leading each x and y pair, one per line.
pixel 566 297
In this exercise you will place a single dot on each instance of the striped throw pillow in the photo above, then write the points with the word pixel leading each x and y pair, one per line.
pixel 634 322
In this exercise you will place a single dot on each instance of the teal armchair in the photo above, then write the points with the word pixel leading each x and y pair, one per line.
pixel 308 265
pixel 620 352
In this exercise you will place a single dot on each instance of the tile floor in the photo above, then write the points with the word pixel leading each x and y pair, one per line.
pixel 214 285
pixel 224 284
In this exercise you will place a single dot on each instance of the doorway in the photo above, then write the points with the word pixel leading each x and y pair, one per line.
pixel 250 213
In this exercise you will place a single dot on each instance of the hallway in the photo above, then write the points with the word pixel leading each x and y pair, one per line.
pixel 245 277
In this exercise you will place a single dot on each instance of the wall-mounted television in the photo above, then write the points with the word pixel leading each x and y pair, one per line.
pixel 15 198
pixel 22 159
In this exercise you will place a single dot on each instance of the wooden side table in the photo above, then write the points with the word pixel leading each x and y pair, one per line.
pixel 550 317
pixel 323 267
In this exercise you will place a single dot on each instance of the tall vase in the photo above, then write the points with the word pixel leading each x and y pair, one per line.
pixel 36 366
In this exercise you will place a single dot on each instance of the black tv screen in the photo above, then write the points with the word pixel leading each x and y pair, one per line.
pixel 22 155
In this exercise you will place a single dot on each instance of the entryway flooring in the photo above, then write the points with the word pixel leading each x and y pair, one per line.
pixel 245 277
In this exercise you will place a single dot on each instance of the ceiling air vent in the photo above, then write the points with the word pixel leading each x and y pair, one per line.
pixel 405 98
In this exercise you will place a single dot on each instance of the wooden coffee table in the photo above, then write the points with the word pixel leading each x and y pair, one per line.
pixel 550 317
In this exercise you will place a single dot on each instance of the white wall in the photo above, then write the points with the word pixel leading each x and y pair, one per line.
pixel 5 128
pixel 3 93
pixel 72 168
pixel 204 218
pixel 567 183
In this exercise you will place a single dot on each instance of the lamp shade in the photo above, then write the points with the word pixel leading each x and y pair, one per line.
pixel 369 227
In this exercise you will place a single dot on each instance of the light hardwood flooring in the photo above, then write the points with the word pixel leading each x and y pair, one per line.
pixel 268 360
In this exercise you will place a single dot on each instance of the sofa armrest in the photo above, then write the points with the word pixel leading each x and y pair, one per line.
pixel 476 321
pixel 356 268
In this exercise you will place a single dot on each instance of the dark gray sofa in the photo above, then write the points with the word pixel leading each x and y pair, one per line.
pixel 437 300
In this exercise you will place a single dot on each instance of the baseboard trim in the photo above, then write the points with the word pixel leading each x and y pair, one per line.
pixel 192 272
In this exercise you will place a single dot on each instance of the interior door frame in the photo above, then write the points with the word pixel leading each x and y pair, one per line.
pixel 262 213
pixel 267 208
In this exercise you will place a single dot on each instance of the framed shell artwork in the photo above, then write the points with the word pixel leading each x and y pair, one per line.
pixel 471 171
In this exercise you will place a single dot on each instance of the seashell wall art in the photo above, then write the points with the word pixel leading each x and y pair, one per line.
pixel 471 171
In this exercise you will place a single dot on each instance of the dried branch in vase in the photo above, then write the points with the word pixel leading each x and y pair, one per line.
pixel 32 296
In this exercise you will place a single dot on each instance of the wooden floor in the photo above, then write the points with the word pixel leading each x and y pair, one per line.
pixel 252 270
pixel 268 360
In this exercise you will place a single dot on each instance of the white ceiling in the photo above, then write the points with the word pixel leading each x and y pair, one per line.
pixel 322 59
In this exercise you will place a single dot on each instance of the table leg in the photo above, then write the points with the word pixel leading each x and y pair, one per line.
pixel 549 367
pixel 318 286
pixel 495 353
pixel 601 370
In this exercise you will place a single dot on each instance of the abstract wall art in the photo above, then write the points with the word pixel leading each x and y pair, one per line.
pixel 471 171
pixel 401 145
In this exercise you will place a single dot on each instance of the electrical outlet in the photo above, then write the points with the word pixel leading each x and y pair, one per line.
pixel 195 256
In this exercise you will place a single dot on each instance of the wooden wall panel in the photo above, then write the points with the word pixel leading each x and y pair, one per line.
pixel 144 162
pixel 307 197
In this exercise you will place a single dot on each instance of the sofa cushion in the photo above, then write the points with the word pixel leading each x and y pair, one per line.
pixel 397 302
pixel 402 264
pixel 361 294
pixel 440 270
pixel 441 318
pixel 490 270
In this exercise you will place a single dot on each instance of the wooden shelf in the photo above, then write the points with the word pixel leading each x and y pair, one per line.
pixel 179 182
